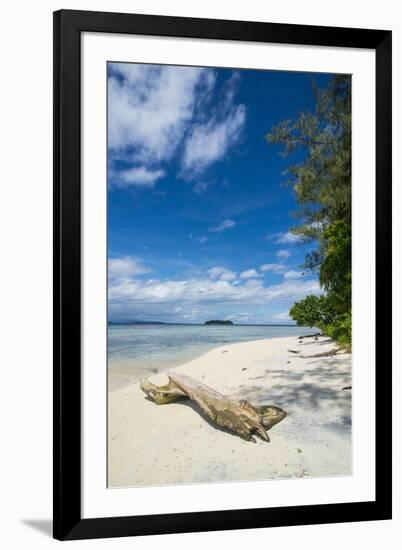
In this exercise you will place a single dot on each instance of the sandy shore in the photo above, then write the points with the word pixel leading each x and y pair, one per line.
pixel 170 444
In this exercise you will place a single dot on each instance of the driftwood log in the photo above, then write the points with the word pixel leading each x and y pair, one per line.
pixel 310 336
pixel 238 416
pixel 162 394
pixel 329 353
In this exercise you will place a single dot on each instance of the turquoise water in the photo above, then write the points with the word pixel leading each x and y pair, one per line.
pixel 159 347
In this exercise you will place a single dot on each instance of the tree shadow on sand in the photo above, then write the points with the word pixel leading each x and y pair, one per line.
pixel 308 389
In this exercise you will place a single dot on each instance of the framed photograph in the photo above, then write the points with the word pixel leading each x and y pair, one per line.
pixel 222 275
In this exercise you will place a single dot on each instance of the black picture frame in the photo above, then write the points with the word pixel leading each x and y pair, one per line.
pixel 68 26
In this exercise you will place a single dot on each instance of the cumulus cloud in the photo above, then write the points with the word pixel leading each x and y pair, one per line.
pixel 292 274
pixel 139 177
pixel 273 268
pixel 249 274
pixel 126 267
pixel 281 316
pixel 287 238
pixel 198 298
pixel 158 111
pixel 226 224
pixel 283 254
pixel 222 274
pixel 149 107
pixel 228 276
pixel 209 142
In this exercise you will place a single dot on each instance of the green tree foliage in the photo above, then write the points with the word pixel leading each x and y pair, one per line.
pixel 322 184
pixel 315 311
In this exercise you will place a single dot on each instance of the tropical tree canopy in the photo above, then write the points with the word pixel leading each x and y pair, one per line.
pixel 322 185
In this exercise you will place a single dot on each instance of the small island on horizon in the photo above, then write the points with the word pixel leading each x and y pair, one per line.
pixel 218 322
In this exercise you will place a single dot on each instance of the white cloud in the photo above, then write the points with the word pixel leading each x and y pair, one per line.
pixel 139 177
pixel 281 316
pixel 249 274
pixel 149 107
pixel 215 272
pixel 222 273
pixel 291 274
pixel 287 238
pixel 124 268
pixel 228 276
pixel 273 268
pixel 209 142
pixel 283 254
pixel 199 298
pixel 155 111
pixel 226 224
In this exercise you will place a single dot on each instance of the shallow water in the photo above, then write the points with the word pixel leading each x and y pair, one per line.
pixel 135 349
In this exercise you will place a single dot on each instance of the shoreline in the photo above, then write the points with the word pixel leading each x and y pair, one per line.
pixel 123 372
pixel 153 444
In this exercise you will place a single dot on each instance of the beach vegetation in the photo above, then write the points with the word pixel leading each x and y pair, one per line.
pixel 321 180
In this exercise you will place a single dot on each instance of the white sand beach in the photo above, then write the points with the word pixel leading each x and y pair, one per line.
pixel 153 444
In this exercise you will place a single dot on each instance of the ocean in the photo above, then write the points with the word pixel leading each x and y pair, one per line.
pixel 138 350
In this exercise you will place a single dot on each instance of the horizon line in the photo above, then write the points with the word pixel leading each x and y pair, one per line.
pixel 201 323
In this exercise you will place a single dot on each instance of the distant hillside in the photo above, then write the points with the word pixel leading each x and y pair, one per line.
pixel 218 322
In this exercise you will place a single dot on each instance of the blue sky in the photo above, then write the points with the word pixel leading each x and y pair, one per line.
pixel 198 221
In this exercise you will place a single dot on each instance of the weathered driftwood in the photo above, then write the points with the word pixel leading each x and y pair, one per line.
pixel 270 415
pixel 238 416
pixel 310 335
pixel 162 394
pixel 329 353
